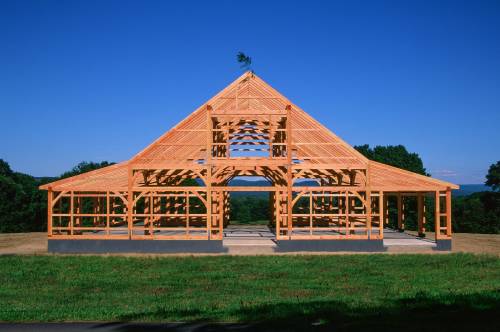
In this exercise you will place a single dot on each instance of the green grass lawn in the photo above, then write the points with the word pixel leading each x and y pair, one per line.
pixel 341 292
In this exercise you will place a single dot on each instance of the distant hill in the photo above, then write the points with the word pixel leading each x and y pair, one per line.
pixel 467 189
pixel 259 183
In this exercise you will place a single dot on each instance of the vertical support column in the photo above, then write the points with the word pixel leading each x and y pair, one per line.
pixel 400 212
pixel 78 212
pixel 71 212
pixel 187 193
pixel 271 208
pixel 107 213
pixel 147 211
pixel 310 213
pixel 49 211
pixel 221 214
pixel 448 212
pixel 130 201
pixel 60 210
pixel 96 210
pixel 368 204
pixel 347 212
pixel 289 178
pixel 277 207
pixel 381 213
pixel 386 209
pixel 437 215
pixel 208 161
pixel 156 210
pixel 271 135
pixel 421 214
pixel 151 213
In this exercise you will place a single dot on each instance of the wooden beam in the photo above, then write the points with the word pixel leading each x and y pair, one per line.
pixel 448 212
pixel 437 215
pixel 49 211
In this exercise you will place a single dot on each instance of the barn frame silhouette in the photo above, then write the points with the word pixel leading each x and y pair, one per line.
pixel 175 193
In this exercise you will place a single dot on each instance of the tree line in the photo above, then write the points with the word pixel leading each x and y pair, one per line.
pixel 23 207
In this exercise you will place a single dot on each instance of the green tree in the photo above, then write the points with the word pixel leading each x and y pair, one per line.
pixel 245 61
pixel 23 207
pixel 477 213
pixel 394 155
pixel 84 167
pixel 493 176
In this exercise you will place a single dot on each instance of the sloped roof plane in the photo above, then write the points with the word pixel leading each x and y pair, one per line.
pixel 185 144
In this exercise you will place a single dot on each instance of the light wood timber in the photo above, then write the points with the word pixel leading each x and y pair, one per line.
pixel 247 129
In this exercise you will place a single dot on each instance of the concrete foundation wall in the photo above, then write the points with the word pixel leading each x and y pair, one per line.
pixel 443 245
pixel 330 245
pixel 135 246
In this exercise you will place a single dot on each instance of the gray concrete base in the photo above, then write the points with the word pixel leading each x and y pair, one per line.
pixel 330 245
pixel 135 246
pixel 443 245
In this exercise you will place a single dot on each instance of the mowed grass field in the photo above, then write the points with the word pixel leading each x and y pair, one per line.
pixel 341 292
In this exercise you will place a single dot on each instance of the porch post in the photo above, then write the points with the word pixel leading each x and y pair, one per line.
pixel 130 201
pixel 49 212
pixel 421 214
pixel 289 177
pixel 400 212
pixel 381 213
pixel 437 214
pixel 209 171
pixel 448 212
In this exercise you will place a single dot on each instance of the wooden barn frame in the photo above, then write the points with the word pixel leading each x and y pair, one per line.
pixel 178 187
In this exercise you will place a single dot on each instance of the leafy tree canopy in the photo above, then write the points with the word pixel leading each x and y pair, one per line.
pixel 23 207
pixel 394 155
pixel 244 60
pixel 493 176
pixel 5 168
pixel 85 166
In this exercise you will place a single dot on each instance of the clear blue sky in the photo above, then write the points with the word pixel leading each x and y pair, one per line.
pixel 99 80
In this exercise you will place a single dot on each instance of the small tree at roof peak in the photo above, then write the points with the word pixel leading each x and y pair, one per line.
pixel 245 61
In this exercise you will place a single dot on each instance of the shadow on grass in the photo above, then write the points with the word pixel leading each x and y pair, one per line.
pixel 474 312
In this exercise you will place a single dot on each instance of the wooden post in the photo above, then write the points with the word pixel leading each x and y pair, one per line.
pixel 187 212
pixel 271 208
pixel 107 212
pixel 151 213
pixel 437 215
pixel 49 211
pixel 310 213
pixel 277 202
pixel 381 215
pixel 368 204
pixel 400 212
pixel 220 206
pixel 209 171
pixel 448 212
pixel 347 212
pixel 421 214
pixel 289 177
pixel 386 209
pixel 71 217
pixel 130 201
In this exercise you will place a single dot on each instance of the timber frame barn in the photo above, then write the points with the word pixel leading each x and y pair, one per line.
pixel 174 195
